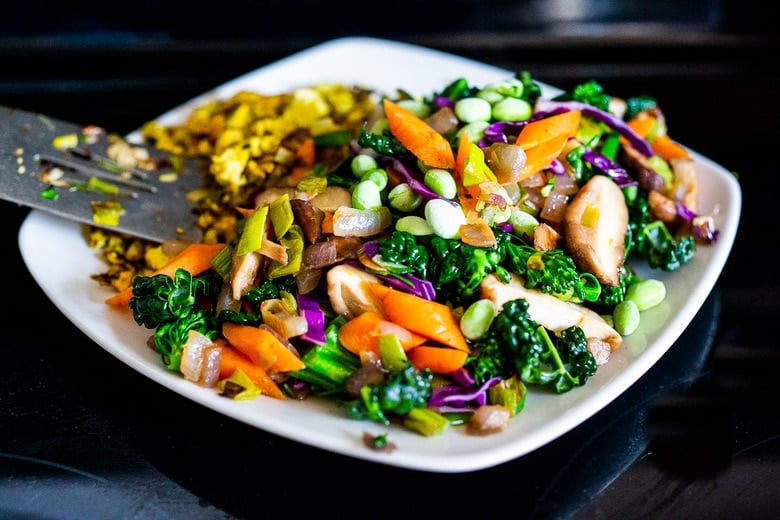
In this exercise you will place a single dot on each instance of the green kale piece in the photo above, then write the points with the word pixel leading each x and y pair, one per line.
pixel 455 90
pixel 173 307
pixel 401 392
pixel 516 345
pixel 511 333
pixel 651 240
pixel 456 269
pixel 590 92
pixel 402 248
pixel 563 365
pixel 531 90
pixel 636 104
pixel 383 144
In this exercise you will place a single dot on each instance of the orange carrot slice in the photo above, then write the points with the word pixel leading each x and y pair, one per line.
pixel 195 258
pixel 261 346
pixel 428 318
pixel 440 360
pixel 544 139
pixel 362 333
pixel 468 196
pixel 664 146
pixel 418 137
pixel 231 360
pixel 304 160
pixel 642 124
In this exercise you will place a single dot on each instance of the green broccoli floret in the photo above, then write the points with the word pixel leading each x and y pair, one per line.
pixel 400 393
pixel 174 306
pixel 516 344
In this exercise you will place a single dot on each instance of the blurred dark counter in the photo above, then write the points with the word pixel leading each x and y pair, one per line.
pixel 83 436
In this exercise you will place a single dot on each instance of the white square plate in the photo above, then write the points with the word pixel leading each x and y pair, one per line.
pixel 385 66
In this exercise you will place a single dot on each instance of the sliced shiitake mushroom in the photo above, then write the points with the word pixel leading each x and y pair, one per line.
pixel 595 224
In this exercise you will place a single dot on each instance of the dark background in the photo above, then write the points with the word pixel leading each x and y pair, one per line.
pixel 83 436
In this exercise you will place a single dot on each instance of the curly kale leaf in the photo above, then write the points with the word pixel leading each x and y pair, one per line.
pixel 459 268
pixel 552 272
pixel 400 393
pixel 383 144
pixel 590 92
pixel 651 240
pixel 401 248
pixel 510 335
pixel 456 269
pixel 612 295
pixel 561 365
pixel 174 306
pixel 516 344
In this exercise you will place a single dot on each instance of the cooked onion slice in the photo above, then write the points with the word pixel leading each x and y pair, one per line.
pixel 200 359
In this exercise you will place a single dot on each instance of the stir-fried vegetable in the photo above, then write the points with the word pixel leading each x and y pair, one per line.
pixel 443 258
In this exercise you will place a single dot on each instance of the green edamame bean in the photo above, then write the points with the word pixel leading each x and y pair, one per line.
pixel 415 225
pixel 378 176
pixel 362 164
pixel 477 318
pixel 444 217
pixel 441 182
pixel 491 96
pixel 403 198
pixel 523 223
pixel 417 108
pixel 512 87
pixel 625 317
pixel 512 109
pixel 646 293
pixel 366 195
pixel 475 131
pixel 472 109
